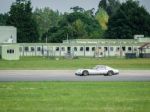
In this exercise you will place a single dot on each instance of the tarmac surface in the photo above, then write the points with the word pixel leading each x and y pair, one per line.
pixel 69 75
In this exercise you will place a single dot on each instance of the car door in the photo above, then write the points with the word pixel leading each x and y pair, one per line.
pixel 101 70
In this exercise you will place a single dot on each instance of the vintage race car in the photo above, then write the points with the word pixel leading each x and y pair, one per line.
pixel 99 69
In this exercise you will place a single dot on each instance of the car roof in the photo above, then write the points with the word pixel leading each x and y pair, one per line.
pixel 101 66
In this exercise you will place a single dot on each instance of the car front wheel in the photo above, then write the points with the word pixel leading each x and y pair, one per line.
pixel 110 73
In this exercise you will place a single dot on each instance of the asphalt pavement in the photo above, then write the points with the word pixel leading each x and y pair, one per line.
pixel 69 75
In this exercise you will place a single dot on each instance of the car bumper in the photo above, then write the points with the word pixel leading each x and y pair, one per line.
pixel 78 73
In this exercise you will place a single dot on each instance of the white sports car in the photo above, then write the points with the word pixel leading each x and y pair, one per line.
pixel 99 69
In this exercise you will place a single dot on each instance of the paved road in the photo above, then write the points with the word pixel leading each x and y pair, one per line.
pixel 68 75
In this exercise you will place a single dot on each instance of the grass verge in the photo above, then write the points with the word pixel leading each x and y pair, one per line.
pixel 74 97
pixel 45 63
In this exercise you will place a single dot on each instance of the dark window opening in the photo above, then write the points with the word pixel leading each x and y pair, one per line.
pixel 81 48
pixel 124 48
pixel 32 49
pixel 68 49
pixel 75 48
pixel 10 51
pixel 129 48
pixel 93 48
pixel 38 48
pixel 57 48
pixel 105 48
pixel 87 49
pixel 26 49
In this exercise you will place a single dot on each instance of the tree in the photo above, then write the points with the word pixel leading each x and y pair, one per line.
pixel 78 24
pixel 46 18
pixel 20 16
pixel 90 12
pixel 77 9
pixel 113 7
pixel 110 6
pixel 91 25
pixel 102 17
pixel 79 29
pixel 103 4
pixel 130 19
pixel 3 18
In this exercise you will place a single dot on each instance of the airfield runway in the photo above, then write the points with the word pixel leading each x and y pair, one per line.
pixel 68 75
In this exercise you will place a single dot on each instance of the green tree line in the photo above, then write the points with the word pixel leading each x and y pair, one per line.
pixel 111 20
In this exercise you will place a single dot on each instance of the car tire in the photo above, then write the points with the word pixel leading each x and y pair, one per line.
pixel 85 73
pixel 110 73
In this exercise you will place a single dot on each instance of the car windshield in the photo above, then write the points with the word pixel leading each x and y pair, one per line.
pixel 94 68
pixel 108 68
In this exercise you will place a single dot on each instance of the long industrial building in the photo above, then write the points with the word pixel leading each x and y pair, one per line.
pixel 11 50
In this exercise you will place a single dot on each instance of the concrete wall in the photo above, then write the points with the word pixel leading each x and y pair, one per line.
pixel 8 34
pixel 10 52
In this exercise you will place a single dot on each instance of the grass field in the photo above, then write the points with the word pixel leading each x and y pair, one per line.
pixel 74 96
pixel 45 63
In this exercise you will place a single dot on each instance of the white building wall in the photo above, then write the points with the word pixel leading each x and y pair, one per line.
pixel 62 50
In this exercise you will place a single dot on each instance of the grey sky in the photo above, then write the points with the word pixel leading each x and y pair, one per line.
pixel 62 5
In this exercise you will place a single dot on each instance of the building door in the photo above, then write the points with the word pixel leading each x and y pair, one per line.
pixel 68 49
pixel 45 50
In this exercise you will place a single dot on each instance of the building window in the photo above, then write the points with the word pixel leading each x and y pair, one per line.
pixel 93 48
pixel 124 48
pixel 87 49
pixel 129 48
pixel 105 48
pixel 111 48
pixel 10 51
pixel 62 48
pixel 26 49
pixel 117 49
pixel 32 49
pixel 81 48
pixel 38 48
pixel 57 48
pixel 75 49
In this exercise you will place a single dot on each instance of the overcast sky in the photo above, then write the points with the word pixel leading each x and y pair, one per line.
pixel 62 5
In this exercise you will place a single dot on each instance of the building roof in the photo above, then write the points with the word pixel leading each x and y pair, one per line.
pixel 144 45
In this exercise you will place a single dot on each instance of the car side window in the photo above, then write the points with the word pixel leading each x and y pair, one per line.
pixel 101 68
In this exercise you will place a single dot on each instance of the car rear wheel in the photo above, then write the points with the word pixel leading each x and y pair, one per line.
pixel 85 72
pixel 110 73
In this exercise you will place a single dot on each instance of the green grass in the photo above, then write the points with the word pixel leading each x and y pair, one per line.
pixel 74 96
pixel 45 63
